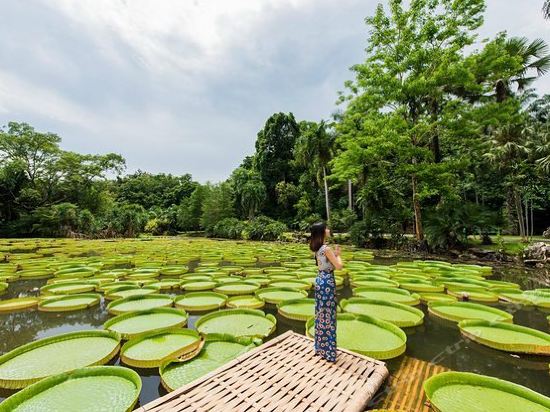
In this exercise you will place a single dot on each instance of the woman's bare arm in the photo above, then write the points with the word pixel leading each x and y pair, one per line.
pixel 334 258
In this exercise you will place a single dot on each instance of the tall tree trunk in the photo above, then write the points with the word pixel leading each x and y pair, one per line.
pixel 519 214
pixel 326 193
pixel 532 221
pixel 419 230
pixel 350 195
pixel 526 203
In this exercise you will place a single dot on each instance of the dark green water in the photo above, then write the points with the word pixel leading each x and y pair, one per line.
pixel 434 341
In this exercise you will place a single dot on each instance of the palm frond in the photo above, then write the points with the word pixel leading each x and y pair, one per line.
pixel 546 9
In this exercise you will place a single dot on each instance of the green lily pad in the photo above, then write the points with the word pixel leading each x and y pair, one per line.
pixel 139 302
pixel 297 309
pixel 457 311
pixel 366 335
pixel 200 301
pixel 474 295
pixel 245 301
pixel 237 322
pixel 396 313
pixel 56 354
pixel 127 291
pixel 12 305
pixel 291 283
pixel 539 298
pixel 217 350
pixel 461 391
pixel 67 288
pixel 389 294
pixel 67 303
pixel 198 285
pixel 506 336
pixel 512 296
pixel 134 324
pixel 164 284
pixel 151 349
pixel 275 295
pixel 236 288
pixel 436 297
pixel 110 388
pixel 420 286
pixel 374 282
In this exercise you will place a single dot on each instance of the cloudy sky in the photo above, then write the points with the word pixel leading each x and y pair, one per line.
pixel 184 85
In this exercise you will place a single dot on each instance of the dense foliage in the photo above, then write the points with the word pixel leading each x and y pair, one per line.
pixel 440 135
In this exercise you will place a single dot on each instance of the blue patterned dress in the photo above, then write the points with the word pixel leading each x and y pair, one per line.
pixel 325 308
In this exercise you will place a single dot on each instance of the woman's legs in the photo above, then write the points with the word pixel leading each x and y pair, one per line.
pixel 325 316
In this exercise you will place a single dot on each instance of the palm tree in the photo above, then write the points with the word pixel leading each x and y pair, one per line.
pixel 315 146
pixel 546 9
pixel 535 62
pixel 253 194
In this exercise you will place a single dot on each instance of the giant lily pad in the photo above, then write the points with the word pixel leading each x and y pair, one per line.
pixel 366 335
pixel 66 288
pixel 69 302
pixel 200 301
pixel 512 296
pixel 245 301
pixel 167 283
pixel 396 313
pixel 539 298
pixel 237 322
pixel 506 336
pixel 217 350
pixel 139 302
pixel 436 297
pixel 109 388
pixel 457 311
pixel 297 309
pixel 389 294
pixel 475 295
pixel 277 295
pixel 236 288
pixel 151 349
pixel 461 391
pixel 12 305
pixel 127 291
pixel 417 285
pixel 56 354
pixel 198 285
pixel 291 283
pixel 134 324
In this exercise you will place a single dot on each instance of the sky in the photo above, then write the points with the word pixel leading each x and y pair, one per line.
pixel 184 86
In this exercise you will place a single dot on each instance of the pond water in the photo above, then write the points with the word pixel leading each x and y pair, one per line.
pixel 434 341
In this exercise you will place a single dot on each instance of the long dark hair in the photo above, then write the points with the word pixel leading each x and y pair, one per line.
pixel 317 236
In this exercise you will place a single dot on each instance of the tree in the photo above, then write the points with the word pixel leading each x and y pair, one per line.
pixel 274 154
pixel 218 204
pixel 150 190
pixel 546 9
pixel 414 59
pixel 249 190
pixel 314 149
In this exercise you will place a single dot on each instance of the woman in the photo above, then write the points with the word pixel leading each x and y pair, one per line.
pixel 325 291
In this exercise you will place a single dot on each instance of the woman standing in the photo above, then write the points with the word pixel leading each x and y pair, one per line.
pixel 325 291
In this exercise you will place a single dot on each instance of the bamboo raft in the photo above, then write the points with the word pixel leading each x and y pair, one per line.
pixel 405 392
pixel 283 374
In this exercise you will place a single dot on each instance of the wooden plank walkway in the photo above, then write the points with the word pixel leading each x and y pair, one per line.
pixel 405 392
pixel 283 374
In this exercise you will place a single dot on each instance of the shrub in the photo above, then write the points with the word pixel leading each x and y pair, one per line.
pixel 265 228
pixel 228 228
